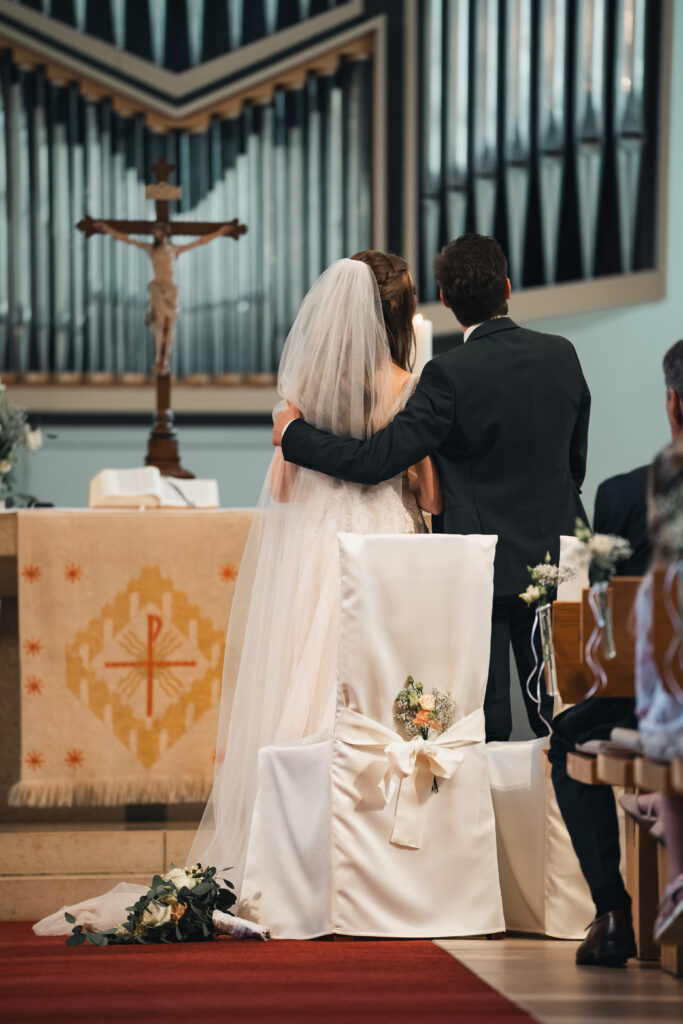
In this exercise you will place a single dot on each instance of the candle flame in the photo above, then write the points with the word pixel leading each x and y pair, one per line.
pixel 418 319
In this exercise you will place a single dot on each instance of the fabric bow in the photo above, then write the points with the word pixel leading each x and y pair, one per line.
pixel 403 757
pixel 411 764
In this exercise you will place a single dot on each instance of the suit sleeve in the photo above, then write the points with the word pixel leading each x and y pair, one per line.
pixel 578 449
pixel 414 433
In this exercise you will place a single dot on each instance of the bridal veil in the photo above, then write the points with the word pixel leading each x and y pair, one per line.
pixel 280 662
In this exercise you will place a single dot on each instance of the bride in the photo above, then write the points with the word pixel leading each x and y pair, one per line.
pixel 345 364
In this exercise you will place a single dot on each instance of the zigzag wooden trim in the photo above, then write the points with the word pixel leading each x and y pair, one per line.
pixel 226 103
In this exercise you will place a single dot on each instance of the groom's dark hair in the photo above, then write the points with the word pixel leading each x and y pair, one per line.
pixel 472 273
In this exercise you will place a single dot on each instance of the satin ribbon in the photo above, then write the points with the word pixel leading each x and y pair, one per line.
pixel 599 674
pixel 411 764
pixel 537 671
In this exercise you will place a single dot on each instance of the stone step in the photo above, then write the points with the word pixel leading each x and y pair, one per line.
pixel 42 870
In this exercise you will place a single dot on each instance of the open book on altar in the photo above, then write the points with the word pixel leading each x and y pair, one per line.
pixel 147 488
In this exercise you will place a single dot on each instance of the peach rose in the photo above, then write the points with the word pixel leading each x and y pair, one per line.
pixel 427 702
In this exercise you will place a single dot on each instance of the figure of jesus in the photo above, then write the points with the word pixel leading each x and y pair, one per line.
pixel 163 308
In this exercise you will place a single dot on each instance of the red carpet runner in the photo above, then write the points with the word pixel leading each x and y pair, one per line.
pixel 42 980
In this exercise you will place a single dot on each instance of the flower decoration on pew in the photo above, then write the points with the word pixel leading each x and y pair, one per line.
pixel 603 552
pixel 546 577
pixel 185 905
pixel 417 712
pixel 15 433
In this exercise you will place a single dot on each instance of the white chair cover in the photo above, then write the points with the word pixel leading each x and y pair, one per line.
pixel 543 889
pixel 337 844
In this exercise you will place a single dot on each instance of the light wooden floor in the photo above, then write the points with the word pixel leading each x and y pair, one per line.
pixel 541 976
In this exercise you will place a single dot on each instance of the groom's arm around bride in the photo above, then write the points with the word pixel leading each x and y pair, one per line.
pixel 505 418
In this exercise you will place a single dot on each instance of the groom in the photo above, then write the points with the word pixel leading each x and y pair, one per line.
pixel 505 419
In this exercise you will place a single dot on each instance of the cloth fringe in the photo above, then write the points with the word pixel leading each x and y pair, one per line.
pixel 109 792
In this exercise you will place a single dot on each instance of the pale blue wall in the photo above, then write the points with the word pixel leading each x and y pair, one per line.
pixel 620 350
pixel 60 472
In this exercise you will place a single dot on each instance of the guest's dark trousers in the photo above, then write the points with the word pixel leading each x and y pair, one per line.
pixel 589 812
pixel 511 625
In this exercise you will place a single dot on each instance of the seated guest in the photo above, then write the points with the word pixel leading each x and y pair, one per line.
pixel 589 811
pixel 660 713
pixel 621 508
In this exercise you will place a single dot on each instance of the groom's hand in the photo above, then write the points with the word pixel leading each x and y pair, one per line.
pixel 282 421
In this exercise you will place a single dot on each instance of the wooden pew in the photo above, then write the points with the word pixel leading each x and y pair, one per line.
pixel 572 626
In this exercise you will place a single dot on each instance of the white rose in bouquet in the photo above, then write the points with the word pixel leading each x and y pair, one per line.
pixel 180 878
pixel 156 915
pixel 427 702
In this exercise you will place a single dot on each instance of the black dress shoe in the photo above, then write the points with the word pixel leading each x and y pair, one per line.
pixel 610 941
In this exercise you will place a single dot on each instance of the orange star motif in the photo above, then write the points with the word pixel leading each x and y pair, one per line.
pixel 73 573
pixel 35 760
pixel 74 758
pixel 228 573
pixel 34 685
pixel 33 646
pixel 31 573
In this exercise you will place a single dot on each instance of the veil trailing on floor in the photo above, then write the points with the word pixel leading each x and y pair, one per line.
pixel 280 664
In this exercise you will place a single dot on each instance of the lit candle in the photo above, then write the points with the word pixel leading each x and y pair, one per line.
pixel 423 342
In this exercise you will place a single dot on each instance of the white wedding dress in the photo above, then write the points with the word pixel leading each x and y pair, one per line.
pixel 279 680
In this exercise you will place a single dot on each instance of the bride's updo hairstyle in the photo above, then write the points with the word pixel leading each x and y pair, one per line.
pixel 397 295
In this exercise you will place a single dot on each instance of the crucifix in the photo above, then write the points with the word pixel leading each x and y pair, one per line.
pixel 162 312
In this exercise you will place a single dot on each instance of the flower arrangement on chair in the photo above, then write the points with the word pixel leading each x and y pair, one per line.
pixel 603 552
pixel 546 577
pixel 416 712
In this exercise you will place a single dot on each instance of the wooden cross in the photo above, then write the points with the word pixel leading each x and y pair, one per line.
pixel 162 449
pixel 150 663
pixel 163 194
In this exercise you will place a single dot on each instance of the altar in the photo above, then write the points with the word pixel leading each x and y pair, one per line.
pixel 112 636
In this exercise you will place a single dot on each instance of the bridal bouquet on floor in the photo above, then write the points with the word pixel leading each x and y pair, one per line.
pixel 184 905
pixel 417 712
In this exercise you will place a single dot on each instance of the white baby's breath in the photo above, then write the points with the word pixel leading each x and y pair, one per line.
pixel 603 552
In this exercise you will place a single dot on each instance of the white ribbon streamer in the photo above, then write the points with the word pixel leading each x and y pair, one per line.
pixel 537 671
pixel 599 674
pixel 411 764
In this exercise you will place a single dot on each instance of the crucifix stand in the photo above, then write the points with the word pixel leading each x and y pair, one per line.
pixel 162 448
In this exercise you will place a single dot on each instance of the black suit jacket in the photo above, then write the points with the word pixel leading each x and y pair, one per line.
pixel 505 418
pixel 621 508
